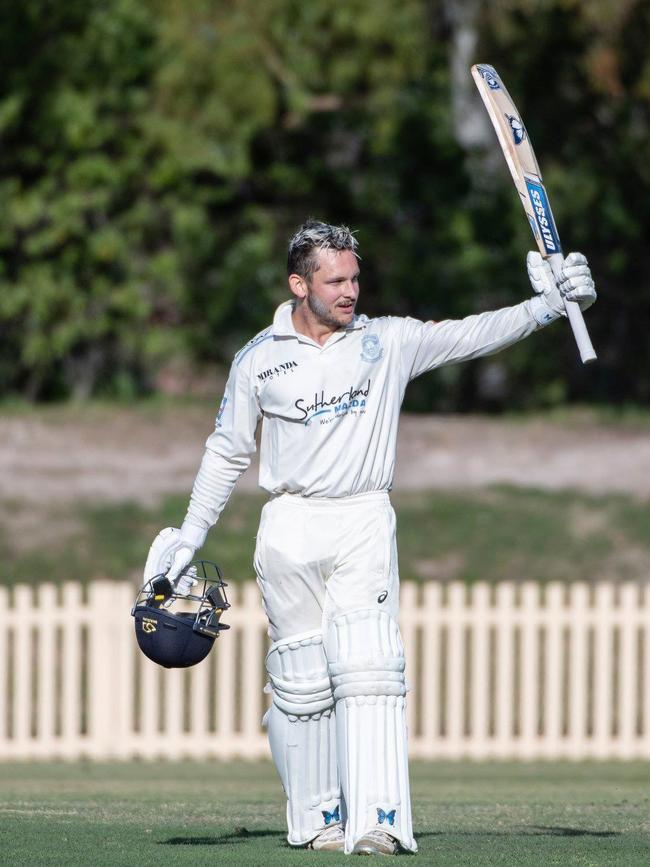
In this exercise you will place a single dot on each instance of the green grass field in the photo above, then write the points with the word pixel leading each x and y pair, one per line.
pixel 465 814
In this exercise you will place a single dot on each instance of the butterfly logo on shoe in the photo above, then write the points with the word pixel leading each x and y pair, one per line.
pixel 385 817
pixel 334 816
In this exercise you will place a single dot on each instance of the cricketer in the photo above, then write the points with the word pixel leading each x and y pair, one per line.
pixel 327 385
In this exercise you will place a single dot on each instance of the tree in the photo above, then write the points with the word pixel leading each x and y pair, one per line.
pixel 156 155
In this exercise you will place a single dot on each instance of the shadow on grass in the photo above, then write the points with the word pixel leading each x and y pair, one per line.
pixel 524 831
pixel 559 831
pixel 239 835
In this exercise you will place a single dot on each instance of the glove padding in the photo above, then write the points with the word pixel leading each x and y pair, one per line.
pixel 169 555
pixel 576 284
pixel 184 583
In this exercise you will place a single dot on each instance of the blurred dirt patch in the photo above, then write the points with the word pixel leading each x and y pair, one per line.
pixel 112 454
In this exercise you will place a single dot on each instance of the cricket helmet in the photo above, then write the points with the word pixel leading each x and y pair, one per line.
pixel 179 638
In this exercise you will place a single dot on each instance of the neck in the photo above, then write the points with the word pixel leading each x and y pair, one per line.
pixel 306 323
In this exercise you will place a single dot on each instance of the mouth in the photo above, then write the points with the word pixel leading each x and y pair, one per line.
pixel 347 308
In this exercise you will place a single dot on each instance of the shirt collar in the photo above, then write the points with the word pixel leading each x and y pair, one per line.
pixel 283 324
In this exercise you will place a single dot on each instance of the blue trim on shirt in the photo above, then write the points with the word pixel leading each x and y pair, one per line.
pixel 252 344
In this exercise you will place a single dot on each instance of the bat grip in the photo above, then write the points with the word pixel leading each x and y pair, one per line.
pixel 574 315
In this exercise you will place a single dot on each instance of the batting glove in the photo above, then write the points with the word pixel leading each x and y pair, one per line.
pixel 185 582
pixel 180 576
pixel 170 554
pixel 576 284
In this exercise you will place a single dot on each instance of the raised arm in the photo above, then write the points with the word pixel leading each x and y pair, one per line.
pixel 433 344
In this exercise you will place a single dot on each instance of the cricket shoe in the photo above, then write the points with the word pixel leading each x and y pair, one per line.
pixel 376 843
pixel 330 840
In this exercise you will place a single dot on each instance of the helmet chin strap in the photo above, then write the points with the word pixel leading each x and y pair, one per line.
pixel 162 592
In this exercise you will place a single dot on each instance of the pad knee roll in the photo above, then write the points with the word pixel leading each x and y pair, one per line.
pixel 366 655
pixel 299 676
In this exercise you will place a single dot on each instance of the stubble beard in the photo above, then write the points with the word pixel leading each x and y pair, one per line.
pixel 322 312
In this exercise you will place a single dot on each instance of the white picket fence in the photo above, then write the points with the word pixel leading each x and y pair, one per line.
pixel 506 671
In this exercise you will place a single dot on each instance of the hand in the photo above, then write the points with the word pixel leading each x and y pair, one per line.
pixel 576 284
pixel 169 555
pixel 186 581
pixel 182 580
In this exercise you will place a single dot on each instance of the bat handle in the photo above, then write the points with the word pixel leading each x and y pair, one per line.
pixel 574 315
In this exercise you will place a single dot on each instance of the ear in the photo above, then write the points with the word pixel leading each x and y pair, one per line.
pixel 298 286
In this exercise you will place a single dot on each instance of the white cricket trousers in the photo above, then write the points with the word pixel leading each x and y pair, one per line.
pixel 316 559
pixel 327 569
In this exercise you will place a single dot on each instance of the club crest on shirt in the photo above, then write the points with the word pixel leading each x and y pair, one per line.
pixel 371 348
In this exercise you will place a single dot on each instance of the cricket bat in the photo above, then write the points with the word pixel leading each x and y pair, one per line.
pixel 525 172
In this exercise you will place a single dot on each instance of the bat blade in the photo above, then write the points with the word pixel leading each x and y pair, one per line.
pixel 527 177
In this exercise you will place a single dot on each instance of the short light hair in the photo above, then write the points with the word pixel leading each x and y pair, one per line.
pixel 311 237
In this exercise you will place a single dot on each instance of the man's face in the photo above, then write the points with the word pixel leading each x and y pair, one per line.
pixel 333 289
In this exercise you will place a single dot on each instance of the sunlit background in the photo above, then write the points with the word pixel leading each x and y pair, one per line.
pixel 155 156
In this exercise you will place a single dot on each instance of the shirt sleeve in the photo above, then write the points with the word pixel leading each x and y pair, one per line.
pixel 228 453
pixel 427 345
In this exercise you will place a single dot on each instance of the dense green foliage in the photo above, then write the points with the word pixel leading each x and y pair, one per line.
pixel 531 814
pixel 155 155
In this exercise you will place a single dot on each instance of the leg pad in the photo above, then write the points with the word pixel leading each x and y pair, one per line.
pixel 302 734
pixel 366 659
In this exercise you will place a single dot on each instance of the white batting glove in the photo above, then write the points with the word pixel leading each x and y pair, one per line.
pixel 169 555
pixel 576 284
pixel 182 581
pixel 185 582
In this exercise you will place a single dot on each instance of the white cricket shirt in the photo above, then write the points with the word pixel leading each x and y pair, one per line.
pixel 330 413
